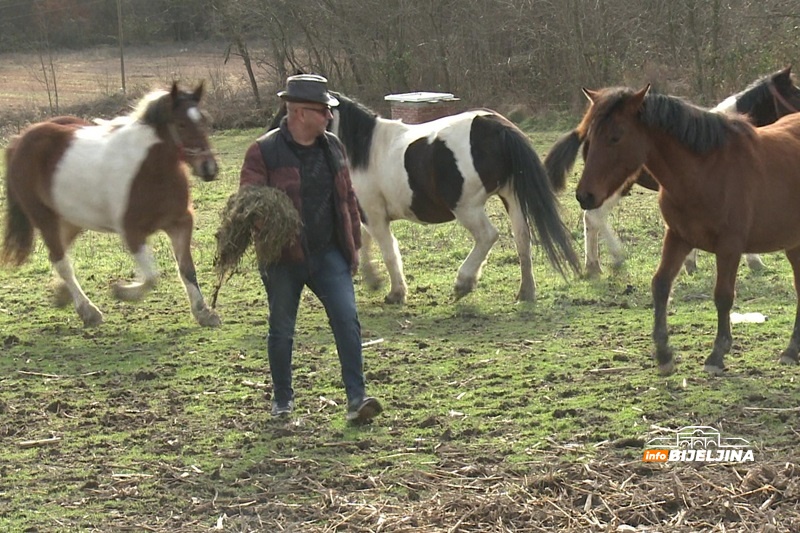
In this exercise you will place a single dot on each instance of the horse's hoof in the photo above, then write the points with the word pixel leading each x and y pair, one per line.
pixel 90 315
pixel 129 292
pixel 395 298
pixel 592 270
pixel 374 284
pixel 373 281
pixel 666 369
pixel 714 370
pixel 208 319
pixel 789 358
pixel 61 295
pixel 464 287
pixel 755 263
pixel 527 297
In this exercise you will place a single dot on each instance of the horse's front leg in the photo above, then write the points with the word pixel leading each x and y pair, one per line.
pixel 180 235
pixel 724 292
pixel 790 354
pixel 378 227
pixel 147 272
pixel 673 251
pixel 368 270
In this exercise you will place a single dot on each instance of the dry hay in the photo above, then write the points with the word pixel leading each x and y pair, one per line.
pixel 263 216
pixel 609 495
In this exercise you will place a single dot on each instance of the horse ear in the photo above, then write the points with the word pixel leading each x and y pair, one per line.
pixel 638 98
pixel 590 94
pixel 174 91
pixel 198 92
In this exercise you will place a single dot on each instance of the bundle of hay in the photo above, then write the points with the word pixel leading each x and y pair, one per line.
pixel 262 215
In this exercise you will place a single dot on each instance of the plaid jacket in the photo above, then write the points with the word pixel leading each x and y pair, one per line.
pixel 270 161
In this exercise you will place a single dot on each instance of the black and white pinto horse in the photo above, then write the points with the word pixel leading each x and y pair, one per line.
pixel 764 102
pixel 447 169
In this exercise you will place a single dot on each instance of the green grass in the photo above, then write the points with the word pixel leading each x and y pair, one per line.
pixel 164 425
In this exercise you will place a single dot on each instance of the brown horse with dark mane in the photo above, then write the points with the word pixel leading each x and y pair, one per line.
pixel 725 187
pixel 126 176
pixel 763 102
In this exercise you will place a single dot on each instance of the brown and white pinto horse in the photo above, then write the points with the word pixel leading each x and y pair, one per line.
pixel 126 176
pixel 725 187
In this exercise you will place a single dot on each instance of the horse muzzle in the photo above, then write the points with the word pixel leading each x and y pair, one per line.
pixel 587 200
pixel 204 164
pixel 208 170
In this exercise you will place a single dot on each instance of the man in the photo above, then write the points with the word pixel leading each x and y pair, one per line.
pixel 309 164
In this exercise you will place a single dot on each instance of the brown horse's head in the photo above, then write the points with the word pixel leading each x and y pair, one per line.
pixel 614 149
pixel 177 117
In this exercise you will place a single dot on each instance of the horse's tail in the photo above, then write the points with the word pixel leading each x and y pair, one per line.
pixel 561 158
pixel 18 235
pixel 537 199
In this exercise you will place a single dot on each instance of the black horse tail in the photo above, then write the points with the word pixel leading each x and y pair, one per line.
pixel 561 159
pixel 530 183
pixel 18 235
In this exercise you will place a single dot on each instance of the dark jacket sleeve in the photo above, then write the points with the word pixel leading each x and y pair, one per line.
pixel 355 212
pixel 254 171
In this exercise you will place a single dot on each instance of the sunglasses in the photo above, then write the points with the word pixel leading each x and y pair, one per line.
pixel 323 111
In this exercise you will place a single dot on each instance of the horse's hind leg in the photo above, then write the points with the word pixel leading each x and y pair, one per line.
pixel 368 271
pixel 790 354
pixel 485 234
pixel 57 239
pixel 378 227
pixel 690 263
pixel 522 239
pixel 724 291
pixel 61 293
pixel 595 223
pixel 673 252
pixel 181 238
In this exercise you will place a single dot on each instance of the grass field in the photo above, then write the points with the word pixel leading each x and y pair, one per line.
pixel 499 416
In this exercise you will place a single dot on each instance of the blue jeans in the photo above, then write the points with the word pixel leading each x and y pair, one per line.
pixel 328 276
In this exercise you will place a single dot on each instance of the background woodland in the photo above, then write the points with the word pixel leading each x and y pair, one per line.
pixel 497 53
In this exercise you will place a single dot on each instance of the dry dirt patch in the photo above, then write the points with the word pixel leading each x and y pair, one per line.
pixel 89 74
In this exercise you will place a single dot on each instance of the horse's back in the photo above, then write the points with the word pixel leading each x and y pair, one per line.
pixel 34 154
pixel 787 126
pixel 83 172
pixel 774 186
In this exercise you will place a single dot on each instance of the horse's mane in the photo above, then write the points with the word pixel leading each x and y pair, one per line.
pixel 155 108
pixel 356 126
pixel 755 93
pixel 697 128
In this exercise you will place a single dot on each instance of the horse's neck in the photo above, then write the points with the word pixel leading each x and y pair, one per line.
pixel 674 166
pixel 386 136
pixel 392 128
